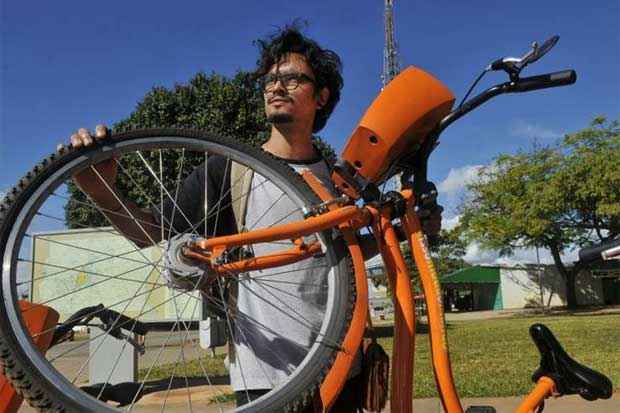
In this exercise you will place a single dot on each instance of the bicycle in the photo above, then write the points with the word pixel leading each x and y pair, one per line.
pixel 195 267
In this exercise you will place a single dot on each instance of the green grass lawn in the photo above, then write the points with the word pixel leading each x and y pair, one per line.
pixel 497 357
pixel 491 357
pixel 213 366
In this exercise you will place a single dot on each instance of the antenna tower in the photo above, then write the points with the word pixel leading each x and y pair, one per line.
pixel 391 68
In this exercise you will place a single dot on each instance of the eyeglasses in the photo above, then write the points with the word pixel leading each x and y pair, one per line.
pixel 290 81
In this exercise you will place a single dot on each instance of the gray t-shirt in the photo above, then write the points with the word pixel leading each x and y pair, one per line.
pixel 280 309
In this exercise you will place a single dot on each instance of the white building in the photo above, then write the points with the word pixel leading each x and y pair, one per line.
pixel 510 287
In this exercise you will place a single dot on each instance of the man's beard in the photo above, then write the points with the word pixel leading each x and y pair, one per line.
pixel 278 118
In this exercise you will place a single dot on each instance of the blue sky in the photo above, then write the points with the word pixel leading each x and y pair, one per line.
pixel 71 64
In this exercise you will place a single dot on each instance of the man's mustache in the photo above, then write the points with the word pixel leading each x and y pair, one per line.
pixel 282 98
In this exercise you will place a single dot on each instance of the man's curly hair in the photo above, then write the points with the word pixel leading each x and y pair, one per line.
pixel 325 64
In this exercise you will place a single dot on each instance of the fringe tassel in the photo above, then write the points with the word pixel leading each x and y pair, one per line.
pixel 376 376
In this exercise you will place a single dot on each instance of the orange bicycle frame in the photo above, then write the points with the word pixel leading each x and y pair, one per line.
pixel 348 219
pixel 397 122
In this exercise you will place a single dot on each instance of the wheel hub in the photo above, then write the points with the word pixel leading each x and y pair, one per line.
pixel 182 273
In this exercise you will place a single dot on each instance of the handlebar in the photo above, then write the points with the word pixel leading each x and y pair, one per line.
pixel 107 316
pixel 114 317
pixel 605 250
pixel 526 84
pixel 563 78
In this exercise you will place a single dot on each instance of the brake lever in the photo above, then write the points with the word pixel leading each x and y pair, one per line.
pixel 530 53
pixel 513 65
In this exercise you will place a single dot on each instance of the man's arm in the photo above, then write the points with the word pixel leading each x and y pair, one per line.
pixel 185 213
pixel 99 184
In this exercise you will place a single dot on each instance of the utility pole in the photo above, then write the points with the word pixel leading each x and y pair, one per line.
pixel 540 281
pixel 391 67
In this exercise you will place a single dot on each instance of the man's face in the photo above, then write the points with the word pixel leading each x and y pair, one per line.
pixel 287 105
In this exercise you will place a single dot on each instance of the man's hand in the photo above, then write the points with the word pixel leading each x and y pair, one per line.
pixel 431 220
pixel 428 210
pixel 88 180
pixel 134 223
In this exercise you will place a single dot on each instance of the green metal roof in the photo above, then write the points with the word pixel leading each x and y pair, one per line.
pixel 473 275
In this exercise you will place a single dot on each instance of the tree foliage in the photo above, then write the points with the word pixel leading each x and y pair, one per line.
pixel 447 252
pixel 231 107
pixel 555 197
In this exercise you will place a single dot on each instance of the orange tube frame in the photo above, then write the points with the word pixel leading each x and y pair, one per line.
pixel 292 230
pixel 401 394
pixel 283 257
pixel 432 293
pixel 348 219
pixel 544 388
pixel 339 372
pixel 207 250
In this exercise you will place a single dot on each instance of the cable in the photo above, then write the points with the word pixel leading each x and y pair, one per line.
pixel 472 87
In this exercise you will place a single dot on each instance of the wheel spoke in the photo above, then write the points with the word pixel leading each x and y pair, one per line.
pixel 252 321
pixel 218 204
pixel 77 247
pixel 176 196
pixel 95 229
pixel 95 312
pixel 107 278
pixel 159 210
pixel 162 187
pixel 89 204
pixel 120 201
pixel 276 320
pixel 126 339
pixel 269 208
pixel 176 323
pixel 155 307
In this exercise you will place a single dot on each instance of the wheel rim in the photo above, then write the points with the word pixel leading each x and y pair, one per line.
pixel 46 190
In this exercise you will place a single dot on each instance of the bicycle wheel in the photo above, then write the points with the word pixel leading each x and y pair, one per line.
pixel 285 324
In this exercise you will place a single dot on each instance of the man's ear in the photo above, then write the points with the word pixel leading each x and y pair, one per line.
pixel 322 98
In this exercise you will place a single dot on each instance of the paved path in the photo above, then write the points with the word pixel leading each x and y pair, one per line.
pixel 568 404
pixel 485 315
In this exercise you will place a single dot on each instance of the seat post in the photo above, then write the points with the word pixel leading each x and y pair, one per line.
pixel 545 387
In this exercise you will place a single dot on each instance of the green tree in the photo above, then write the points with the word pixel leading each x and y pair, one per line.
pixel 557 197
pixel 447 252
pixel 231 107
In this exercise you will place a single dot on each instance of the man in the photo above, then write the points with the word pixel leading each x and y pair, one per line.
pixel 301 83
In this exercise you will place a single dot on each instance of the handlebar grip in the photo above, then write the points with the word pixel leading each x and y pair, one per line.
pixel 563 78
pixel 126 323
pixel 594 253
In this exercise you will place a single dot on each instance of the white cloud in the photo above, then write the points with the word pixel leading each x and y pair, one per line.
pixel 450 223
pixel 458 178
pixel 527 130
pixel 476 255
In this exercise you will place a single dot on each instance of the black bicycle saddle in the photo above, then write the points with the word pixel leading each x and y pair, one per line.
pixel 569 376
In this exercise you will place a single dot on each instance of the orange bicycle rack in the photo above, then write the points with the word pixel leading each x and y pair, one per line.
pixel 40 321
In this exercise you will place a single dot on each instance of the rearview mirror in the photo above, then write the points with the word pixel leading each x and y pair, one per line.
pixel 540 51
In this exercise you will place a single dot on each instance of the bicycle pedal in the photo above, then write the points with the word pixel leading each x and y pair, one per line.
pixel 480 409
